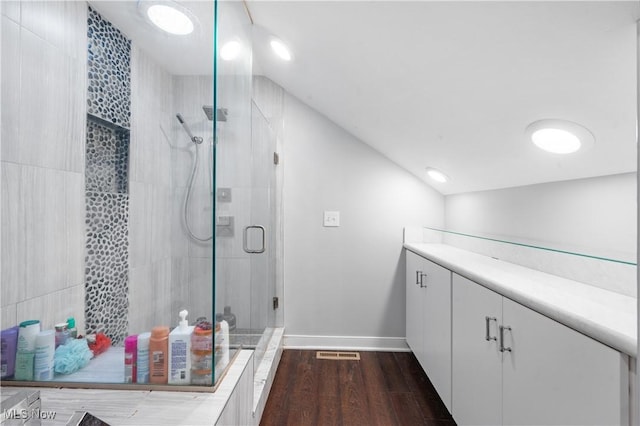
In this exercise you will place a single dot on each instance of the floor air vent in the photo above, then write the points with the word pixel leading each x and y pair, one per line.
pixel 344 356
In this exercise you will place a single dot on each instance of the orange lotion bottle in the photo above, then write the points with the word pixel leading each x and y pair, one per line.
pixel 158 355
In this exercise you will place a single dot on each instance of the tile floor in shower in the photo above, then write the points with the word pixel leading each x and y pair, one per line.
pixel 245 337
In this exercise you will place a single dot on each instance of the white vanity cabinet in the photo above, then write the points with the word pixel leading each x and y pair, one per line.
pixel 512 365
pixel 414 294
pixel 476 360
pixel 428 321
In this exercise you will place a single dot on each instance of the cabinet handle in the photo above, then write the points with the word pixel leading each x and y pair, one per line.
pixel 502 348
pixel 418 278
pixel 421 283
pixel 487 336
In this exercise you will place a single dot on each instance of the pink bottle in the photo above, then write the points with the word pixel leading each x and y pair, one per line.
pixel 130 358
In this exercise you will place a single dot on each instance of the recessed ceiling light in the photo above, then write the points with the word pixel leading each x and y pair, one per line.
pixel 559 136
pixel 168 16
pixel 557 141
pixel 281 49
pixel 437 175
pixel 230 50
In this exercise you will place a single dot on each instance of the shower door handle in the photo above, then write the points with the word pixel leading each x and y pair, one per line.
pixel 245 239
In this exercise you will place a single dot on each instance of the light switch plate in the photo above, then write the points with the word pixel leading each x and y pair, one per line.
pixel 331 218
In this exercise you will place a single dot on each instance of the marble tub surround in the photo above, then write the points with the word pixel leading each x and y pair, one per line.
pixel 155 408
pixel 604 315
pixel 266 371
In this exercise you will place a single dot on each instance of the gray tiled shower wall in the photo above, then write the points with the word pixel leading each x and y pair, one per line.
pixel 45 193
pixel 169 271
pixel 42 161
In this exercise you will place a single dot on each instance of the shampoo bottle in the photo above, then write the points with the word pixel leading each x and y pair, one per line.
pixel 180 352
pixel 158 352
pixel 62 333
pixel 44 356
pixel 202 354
pixel 143 358
pixel 8 349
pixel 71 325
pixel 222 354
pixel 26 351
pixel 230 318
pixel 27 333
pixel 130 359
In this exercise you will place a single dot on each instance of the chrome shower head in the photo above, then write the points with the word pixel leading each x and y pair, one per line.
pixel 208 110
pixel 221 113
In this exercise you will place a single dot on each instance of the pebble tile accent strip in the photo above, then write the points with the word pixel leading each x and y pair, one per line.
pixel 106 180
pixel 107 265
pixel 109 69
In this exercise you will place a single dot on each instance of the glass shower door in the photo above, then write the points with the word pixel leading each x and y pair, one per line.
pixel 246 205
pixel 262 233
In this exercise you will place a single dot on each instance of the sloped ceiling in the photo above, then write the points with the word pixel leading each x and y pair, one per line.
pixel 453 85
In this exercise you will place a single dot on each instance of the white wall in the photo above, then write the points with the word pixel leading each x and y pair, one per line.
pixel 345 281
pixel 595 216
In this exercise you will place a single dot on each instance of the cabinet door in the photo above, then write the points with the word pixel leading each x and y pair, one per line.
pixel 477 363
pixel 436 293
pixel 414 333
pixel 555 375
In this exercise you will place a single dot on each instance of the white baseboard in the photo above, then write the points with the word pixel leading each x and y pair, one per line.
pixel 361 343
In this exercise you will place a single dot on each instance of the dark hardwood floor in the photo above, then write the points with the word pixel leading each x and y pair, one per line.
pixel 383 388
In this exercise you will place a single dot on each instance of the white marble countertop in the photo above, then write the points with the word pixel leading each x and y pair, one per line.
pixel 606 316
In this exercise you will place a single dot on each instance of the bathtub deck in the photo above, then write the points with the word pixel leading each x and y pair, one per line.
pixel 131 407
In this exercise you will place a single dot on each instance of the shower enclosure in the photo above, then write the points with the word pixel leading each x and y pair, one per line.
pixel 148 185
pixel 247 196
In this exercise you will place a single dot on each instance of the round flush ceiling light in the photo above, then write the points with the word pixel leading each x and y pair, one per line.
pixel 230 50
pixel 559 136
pixel 437 175
pixel 281 49
pixel 169 17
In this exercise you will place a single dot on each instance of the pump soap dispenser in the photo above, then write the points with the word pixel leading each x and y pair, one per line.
pixel 180 352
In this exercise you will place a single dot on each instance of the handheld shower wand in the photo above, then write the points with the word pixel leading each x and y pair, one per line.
pixel 185 211
pixel 195 139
